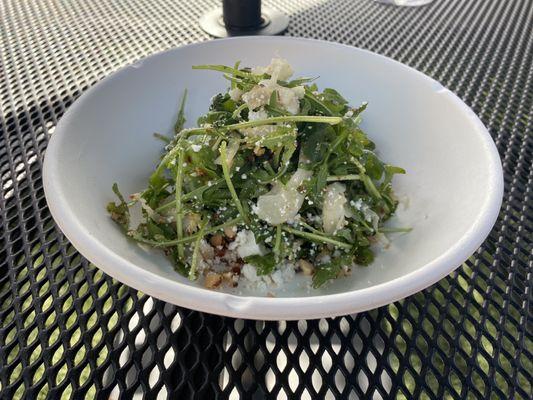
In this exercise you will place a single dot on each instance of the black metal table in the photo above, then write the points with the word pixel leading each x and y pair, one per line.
pixel 68 330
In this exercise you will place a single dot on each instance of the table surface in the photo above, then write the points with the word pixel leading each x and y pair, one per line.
pixel 68 330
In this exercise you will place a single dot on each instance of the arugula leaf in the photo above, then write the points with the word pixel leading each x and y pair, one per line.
pixel 321 178
pixel 181 114
pixel 119 213
pixel 282 136
pixel 316 140
pixel 264 264
pixel 364 256
pixel 316 106
pixel 334 101
pixel 325 272
pixel 373 166
pixel 390 171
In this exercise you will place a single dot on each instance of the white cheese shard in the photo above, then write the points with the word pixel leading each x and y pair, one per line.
pixel 235 94
pixel 257 115
pixel 288 98
pixel 258 130
pixel 258 96
pixel 283 202
pixel 333 214
pixel 231 150
pixel 278 68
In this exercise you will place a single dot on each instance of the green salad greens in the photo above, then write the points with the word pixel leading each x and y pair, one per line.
pixel 277 178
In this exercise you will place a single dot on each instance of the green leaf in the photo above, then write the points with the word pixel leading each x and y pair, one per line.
pixel 332 96
pixel 390 171
pixel 273 101
pixel 325 272
pixel 163 138
pixel 345 233
pixel 281 137
pixel 321 178
pixel 296 82
pixel 181 114
pixel 179 266
pixel 364 256
pixel 333 101
pixel 223 102
pixel 119 212
pixel 217 118
pixel 373 166
pixel 204 158
pixel 316 106
pixel 316 140
pixel 264 264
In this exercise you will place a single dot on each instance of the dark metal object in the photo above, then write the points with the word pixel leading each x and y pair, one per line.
pixel 239 15
pixel 66 329
pixel 243 17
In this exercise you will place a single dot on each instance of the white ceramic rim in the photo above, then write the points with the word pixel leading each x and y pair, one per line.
pixel 266 308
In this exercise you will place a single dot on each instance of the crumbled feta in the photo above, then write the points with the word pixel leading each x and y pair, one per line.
pixel 245 244
pixel 284 273
pixel 249 272
pixel 196 147
pixel 368 213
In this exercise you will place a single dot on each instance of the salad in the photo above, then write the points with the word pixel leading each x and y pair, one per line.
pixel 276 179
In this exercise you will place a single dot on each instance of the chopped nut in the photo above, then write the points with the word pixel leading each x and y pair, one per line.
pixel 216 240
pixel 212 280
pixel 306 267
pixel 259 151
pixel 191 222
pixel 228 276
pixel 230 232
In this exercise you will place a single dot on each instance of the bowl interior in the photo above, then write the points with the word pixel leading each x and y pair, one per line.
pixel 107 137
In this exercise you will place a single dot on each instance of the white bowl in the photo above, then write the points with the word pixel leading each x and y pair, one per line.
pixel 454 178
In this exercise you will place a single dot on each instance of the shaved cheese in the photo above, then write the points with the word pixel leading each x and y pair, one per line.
pixel 278 68
pixel 333 215
pixel 283 202
pixel 233 147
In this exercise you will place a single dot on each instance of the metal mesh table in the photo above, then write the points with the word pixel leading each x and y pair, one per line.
pixel 69 331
